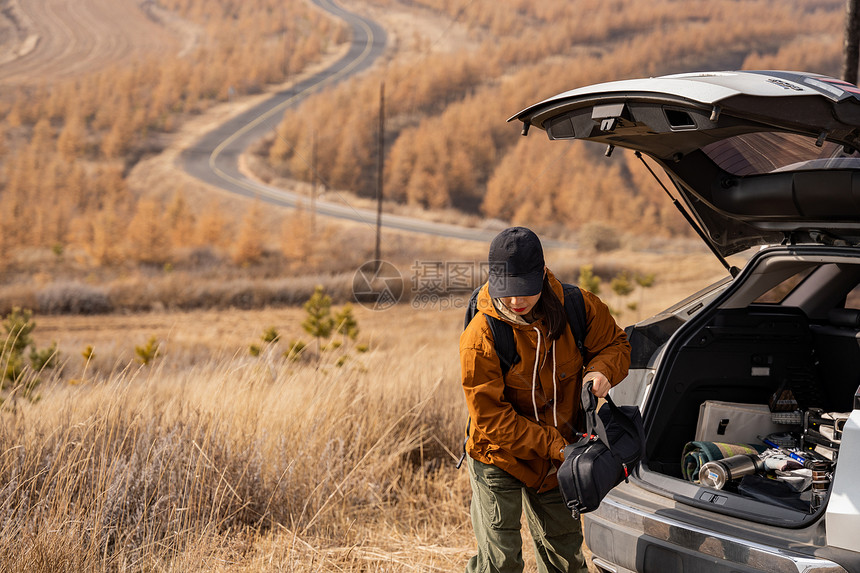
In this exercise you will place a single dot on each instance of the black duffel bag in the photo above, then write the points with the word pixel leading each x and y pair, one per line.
pixel 604 457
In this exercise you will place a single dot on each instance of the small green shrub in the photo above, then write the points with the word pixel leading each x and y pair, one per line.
pixel 319 322
pixel 346 323
pixel 588 280
pixel 270 335
pixel 45 358
pixel 646 281
pixel 621 285
pixel 295 351
pixel 148 352
pixel 17 373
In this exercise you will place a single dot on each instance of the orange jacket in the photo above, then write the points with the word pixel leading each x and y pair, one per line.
pixel 503 429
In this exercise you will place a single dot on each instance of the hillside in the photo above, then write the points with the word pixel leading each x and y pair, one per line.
pixel 98 217
pixel 47 41
pixel 71 133
pixel 449 146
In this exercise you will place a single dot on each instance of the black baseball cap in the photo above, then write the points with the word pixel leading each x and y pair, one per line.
pixel 516 265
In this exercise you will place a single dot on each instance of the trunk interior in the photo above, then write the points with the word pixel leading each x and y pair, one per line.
pixel 777 354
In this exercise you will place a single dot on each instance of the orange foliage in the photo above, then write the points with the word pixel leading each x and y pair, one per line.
pixel 147 235
pixel 250 241
pixel 63 185
pixel 180 221
pixel 447 140
pixel 64 148
pixel 212 228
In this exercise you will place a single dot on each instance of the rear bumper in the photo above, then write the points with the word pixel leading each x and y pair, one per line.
pixel 626 539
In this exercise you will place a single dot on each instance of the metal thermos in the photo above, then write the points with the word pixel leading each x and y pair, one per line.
pixel 820 483
pixel 718 473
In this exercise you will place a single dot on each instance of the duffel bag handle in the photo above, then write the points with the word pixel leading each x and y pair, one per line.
pixel 593 423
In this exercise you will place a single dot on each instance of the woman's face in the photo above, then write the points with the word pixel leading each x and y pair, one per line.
pixel 520 305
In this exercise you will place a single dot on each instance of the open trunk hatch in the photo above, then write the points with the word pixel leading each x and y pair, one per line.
pixel 757 157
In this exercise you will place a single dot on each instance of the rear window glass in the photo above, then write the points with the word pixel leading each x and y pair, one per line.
pixel 778 293
pixel 756 153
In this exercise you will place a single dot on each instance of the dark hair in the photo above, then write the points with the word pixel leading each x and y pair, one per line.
pixel 552 310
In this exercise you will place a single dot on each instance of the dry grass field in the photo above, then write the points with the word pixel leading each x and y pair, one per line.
pixel 212 459
pixel 222 462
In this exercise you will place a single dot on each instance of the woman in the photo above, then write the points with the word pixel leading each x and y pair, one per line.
pixel 522 420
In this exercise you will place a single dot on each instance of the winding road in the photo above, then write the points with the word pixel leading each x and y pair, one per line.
pixel 214 158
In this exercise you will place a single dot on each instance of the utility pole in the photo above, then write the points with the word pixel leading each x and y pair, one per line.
pixel 380 164
pixel 288 43
pixel 314 182
pixel 851 43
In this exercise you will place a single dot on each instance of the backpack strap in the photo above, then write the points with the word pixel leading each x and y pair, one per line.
pixel 503 334
pixel 506 351
pixel 471 308
pixel 503 341
pixel 574 306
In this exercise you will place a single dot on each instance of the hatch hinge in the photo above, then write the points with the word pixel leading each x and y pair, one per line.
pixel 715 113
pixel 526 125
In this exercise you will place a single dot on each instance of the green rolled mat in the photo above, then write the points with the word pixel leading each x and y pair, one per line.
pixel 696 454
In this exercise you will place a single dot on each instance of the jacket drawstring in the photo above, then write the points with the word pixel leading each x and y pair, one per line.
pixel 535 379
pixel 554 389
pixel 535 375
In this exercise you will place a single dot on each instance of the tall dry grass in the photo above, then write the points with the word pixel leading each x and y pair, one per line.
pixel 245 464
pixel 211 459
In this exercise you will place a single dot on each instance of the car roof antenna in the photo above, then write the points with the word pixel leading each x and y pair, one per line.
pixel 732 270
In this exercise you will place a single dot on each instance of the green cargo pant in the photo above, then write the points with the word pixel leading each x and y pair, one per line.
pixel 497 508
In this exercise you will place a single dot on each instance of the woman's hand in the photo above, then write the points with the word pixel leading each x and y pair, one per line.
pixel 600 383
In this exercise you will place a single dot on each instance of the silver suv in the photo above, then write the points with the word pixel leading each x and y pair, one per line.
pixel 748 389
